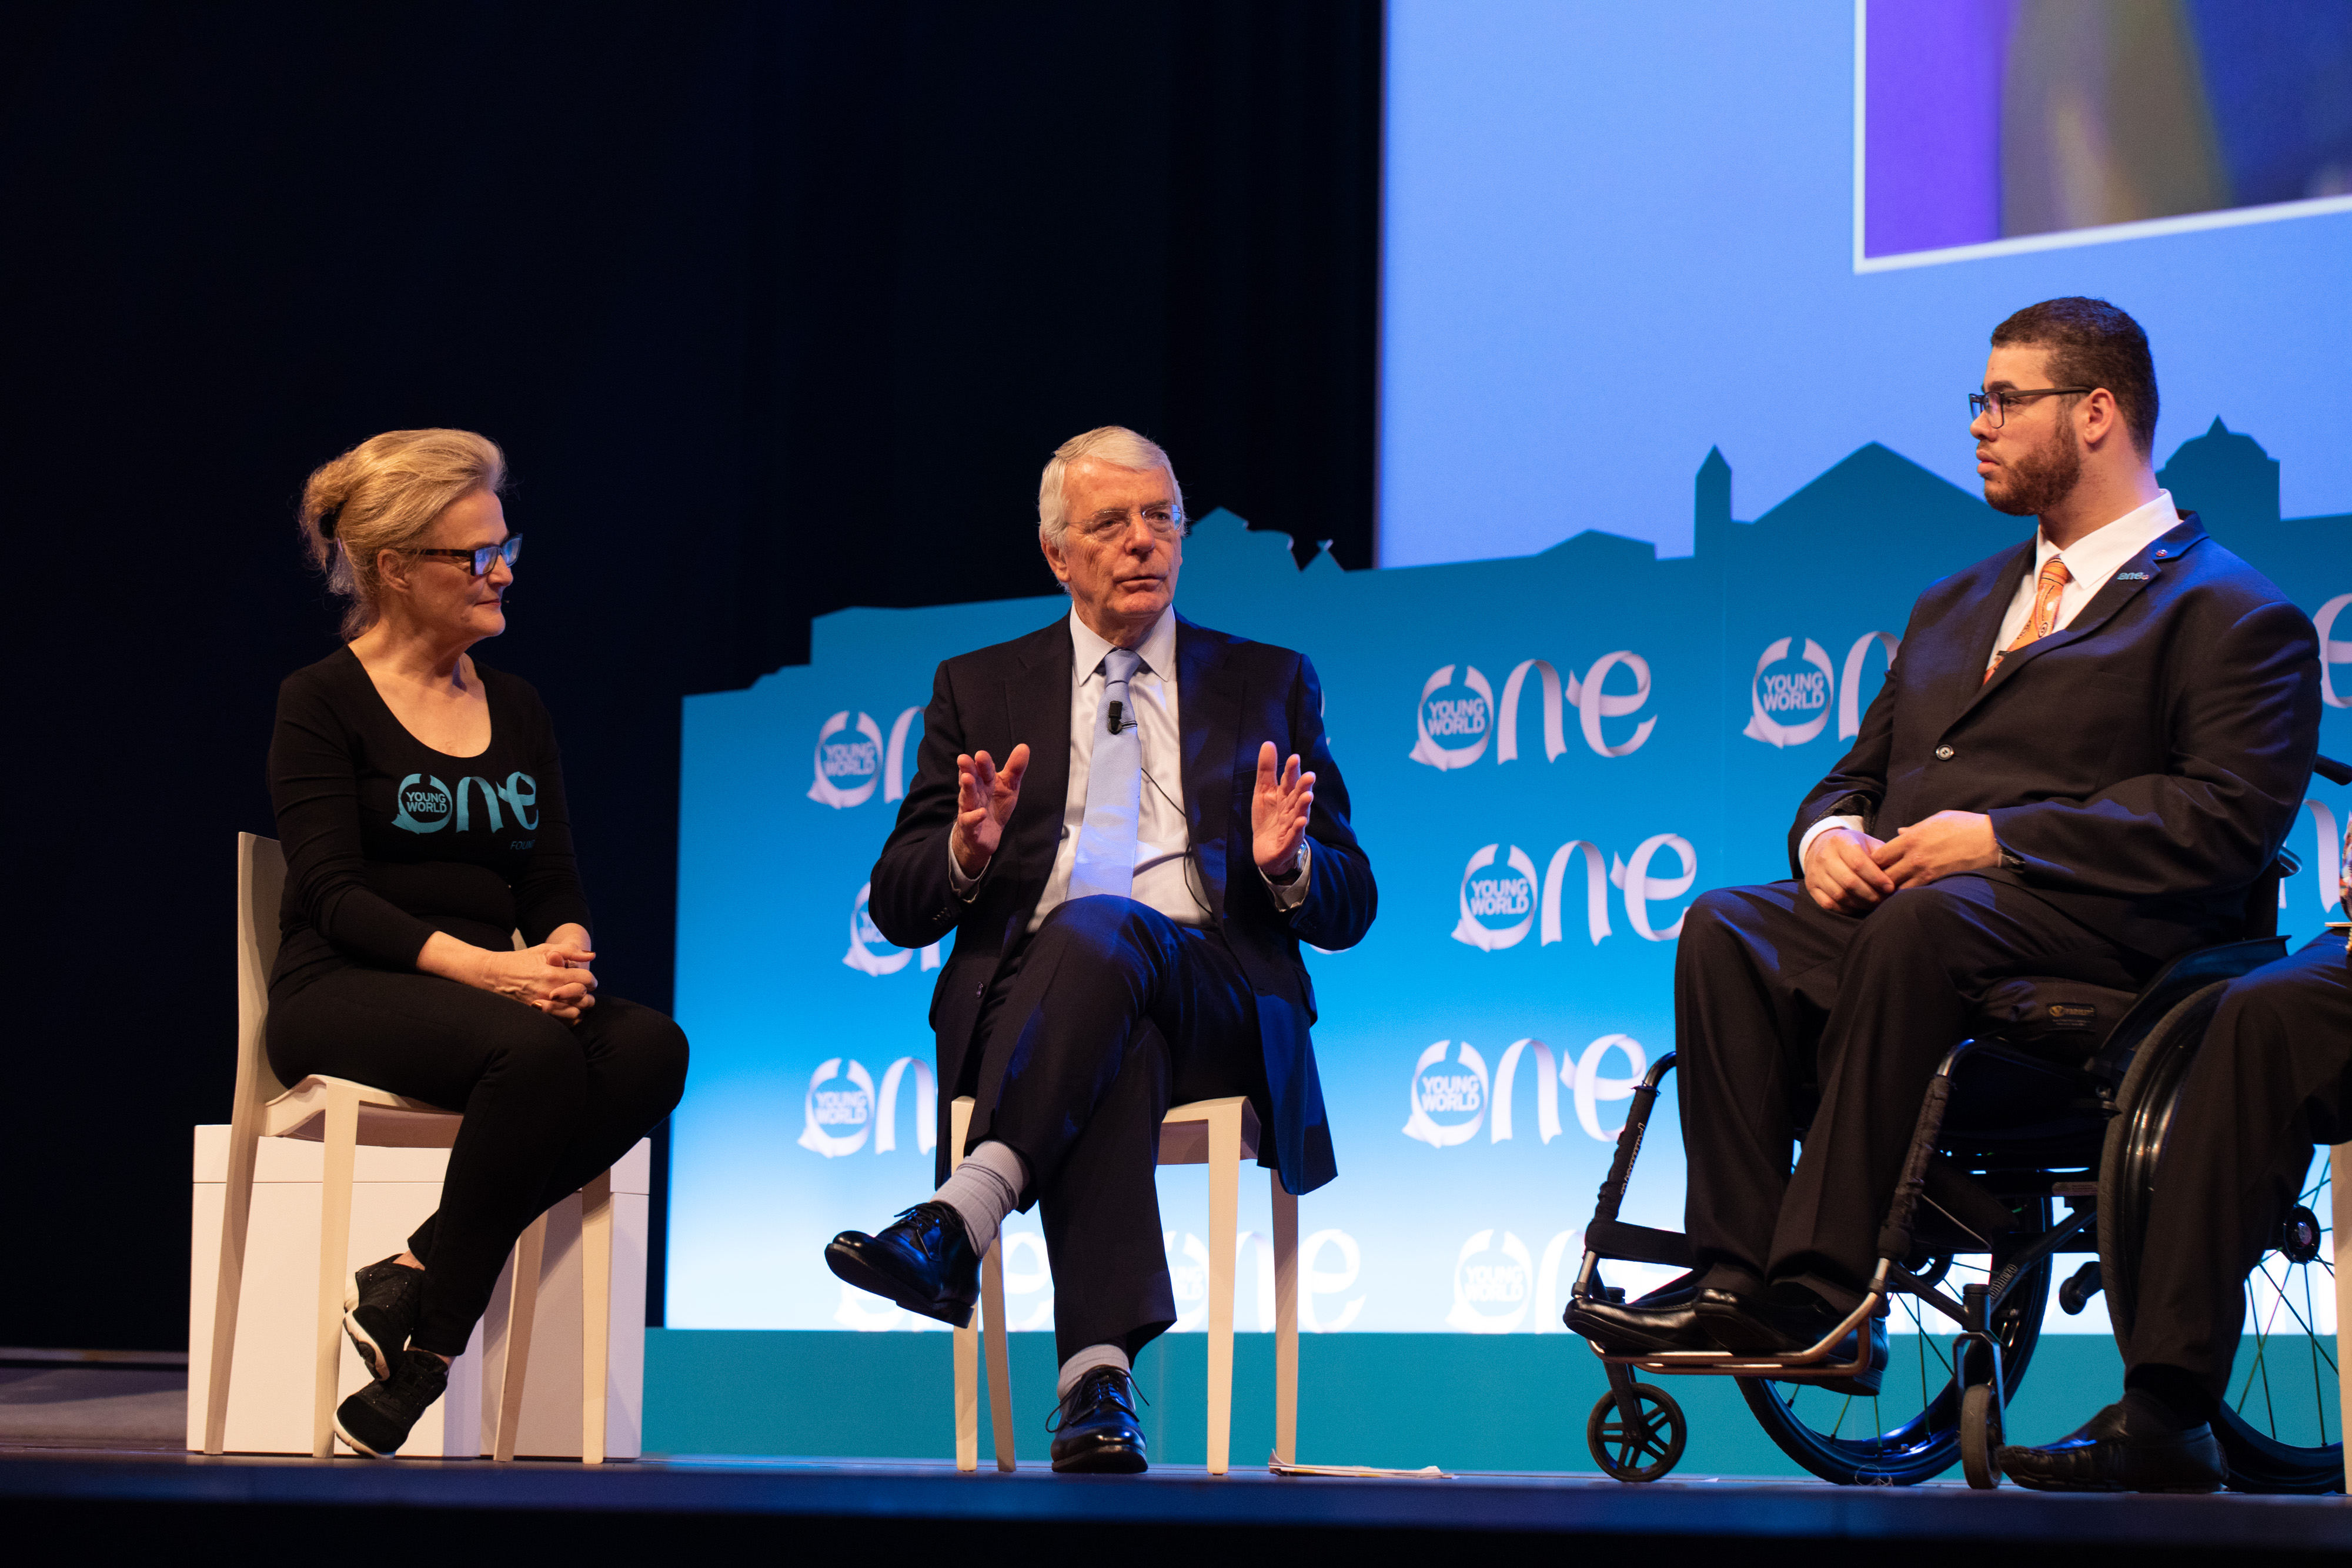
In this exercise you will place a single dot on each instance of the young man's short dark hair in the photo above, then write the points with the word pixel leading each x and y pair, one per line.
pixel 2091 344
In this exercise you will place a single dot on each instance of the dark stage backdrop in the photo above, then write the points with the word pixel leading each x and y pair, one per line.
pixel 775 309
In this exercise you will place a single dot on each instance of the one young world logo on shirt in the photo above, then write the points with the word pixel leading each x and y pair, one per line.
pixel 423 804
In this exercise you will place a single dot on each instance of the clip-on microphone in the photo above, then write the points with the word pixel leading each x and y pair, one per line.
pixel 1116 710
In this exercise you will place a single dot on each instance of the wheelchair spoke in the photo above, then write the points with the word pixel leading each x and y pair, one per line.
pixel 2319 1400
pixel 2302 1318
pixel 2262 1363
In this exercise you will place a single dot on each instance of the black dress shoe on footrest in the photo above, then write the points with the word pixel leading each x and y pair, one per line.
pixel 2127 1446
pixel 924 1262
pixel 1784 1321
pixel 1096 1431
pixel 1641 1328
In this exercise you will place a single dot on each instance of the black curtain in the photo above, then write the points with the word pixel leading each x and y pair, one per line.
pixel 776 308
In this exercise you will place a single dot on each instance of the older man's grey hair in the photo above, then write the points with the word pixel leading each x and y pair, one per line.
pixel 1112 444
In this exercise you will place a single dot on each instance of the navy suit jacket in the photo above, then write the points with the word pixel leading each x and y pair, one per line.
pixel 2145 763
pixel 1232 696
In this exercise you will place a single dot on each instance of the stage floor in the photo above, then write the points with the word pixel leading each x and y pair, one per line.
pixel 98 1452
pixel 683 1498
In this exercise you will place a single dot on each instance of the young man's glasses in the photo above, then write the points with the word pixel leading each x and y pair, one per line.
pixel 1983 404
pixel 480 560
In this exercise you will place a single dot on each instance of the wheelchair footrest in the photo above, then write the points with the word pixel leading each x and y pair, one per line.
pixel 1811 1365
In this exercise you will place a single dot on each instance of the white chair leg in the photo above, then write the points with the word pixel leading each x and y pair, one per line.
pixel 229 1284
pixel 595 1312
pixel 2339 1176
pixel 343 1134
pixel 522 1310
pixel 967 1340
pixel 995 1341
pixel 1225 1222
pixel 1286 1322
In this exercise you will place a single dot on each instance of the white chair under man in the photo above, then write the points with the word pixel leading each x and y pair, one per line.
pixel 1220 1134
pixel 344 1114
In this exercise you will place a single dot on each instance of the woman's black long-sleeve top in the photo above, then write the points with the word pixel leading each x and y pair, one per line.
pixel 388 841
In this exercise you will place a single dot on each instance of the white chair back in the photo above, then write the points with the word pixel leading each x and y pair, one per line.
pixel 260 885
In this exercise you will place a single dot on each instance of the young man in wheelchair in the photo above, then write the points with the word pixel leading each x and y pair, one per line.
pixel 2273 1078
pixel 2086 750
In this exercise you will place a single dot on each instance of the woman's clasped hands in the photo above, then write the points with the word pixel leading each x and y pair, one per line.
pixel 553 976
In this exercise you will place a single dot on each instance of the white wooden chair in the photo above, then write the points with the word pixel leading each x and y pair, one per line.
pixel 1221 1134
pixel 344 1114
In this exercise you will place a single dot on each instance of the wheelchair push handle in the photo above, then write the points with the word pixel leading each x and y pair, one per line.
pixel 1894 1238
pixel 1628 1140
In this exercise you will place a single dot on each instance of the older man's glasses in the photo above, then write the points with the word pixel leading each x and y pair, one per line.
pixel 478 560
pixel 1993 403
pixel 1164 522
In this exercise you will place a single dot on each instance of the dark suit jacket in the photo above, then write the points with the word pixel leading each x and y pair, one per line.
pixel 2145 763
pixel 1232 696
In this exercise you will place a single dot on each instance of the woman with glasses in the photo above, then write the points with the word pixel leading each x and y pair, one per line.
pixel 419 797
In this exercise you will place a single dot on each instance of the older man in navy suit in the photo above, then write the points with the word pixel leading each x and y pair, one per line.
pixel 1130 822
pixel 2086 750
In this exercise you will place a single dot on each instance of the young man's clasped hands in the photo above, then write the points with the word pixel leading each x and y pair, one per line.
pixel 1848 871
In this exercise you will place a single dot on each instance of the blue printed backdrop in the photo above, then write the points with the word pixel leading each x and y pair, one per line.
pixel 1547 754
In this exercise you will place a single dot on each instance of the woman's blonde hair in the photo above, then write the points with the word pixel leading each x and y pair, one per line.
pixel 384 494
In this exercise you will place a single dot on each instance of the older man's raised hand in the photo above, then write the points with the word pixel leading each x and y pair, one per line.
pixel 985 796
pixel 1279 808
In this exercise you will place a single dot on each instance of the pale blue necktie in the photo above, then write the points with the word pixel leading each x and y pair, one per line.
pixel 1105 861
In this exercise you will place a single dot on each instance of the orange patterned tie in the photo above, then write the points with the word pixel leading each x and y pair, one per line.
pixel 2044 619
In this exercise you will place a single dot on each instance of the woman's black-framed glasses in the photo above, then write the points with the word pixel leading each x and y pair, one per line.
pixel 1981 403
pixel 479 560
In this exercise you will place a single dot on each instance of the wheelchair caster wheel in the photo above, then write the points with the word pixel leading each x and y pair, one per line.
pixel 1645 1448
pixel 1980 1438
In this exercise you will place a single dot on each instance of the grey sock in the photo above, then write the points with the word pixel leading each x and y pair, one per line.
pixel 983 1189
pixel 1086 1361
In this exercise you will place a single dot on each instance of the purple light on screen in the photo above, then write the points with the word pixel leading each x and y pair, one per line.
pixel 1931 150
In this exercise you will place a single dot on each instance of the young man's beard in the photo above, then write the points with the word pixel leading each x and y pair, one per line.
pixel 2041 478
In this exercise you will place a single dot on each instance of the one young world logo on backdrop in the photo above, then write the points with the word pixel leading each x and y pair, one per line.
pixel 1453 720
pixel 853 759
pixel 1796 689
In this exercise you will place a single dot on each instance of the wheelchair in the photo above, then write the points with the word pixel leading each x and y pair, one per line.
pixel 2062 1098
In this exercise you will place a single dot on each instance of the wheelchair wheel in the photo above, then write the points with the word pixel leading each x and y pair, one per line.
pixel 1980 1438
pixel 1643 1449
pixel 2279 1426
pixel 1911 1431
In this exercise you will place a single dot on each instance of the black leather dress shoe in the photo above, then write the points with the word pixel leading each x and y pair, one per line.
pixel 1096 1431
pixel 1665 1320
pixel 2127 1446
pixel 924 1261
pixel 1767 1324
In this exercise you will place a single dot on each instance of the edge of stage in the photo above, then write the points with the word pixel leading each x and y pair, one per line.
pixel 682 1500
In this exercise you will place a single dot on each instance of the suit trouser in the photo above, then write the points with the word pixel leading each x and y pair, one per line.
pixel 1772 993
pixel 2273 1078
pixel 1106 1016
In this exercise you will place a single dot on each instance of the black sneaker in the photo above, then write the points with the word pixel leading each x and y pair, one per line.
pixel 380 1307
pixel 376 1419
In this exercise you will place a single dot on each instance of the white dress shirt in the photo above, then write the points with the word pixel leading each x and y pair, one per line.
pixel 1165 872
pixel 2090 560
